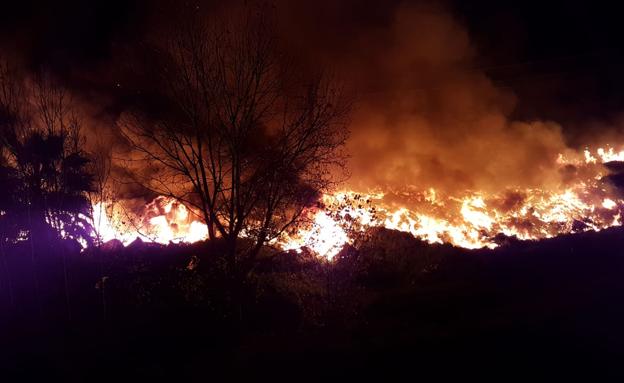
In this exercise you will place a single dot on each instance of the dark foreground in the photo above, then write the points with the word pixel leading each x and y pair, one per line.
pixel 394 307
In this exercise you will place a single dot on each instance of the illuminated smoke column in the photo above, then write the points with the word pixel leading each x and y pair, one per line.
pixel 434 148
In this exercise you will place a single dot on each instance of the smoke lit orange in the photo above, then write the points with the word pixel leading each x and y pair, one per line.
pixel 470 219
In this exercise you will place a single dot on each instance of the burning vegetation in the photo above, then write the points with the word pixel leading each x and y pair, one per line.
pixel 433 151
pixel 222 182
pixel 470 220
pixel 236 137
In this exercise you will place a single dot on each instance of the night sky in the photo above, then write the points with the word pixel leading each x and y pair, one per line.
pixel 563 61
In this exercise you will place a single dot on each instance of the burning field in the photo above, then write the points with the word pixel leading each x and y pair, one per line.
pixel 473 219
pixel 204 189
pixel 410 131
pixel 436 149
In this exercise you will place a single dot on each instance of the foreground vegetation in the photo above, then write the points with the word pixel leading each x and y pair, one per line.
pixel 392 305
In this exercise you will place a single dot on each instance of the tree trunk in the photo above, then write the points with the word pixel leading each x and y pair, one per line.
pixel 66 283
pixel 235 284
pixel 8 273
pixel 98 254
pixel 33 261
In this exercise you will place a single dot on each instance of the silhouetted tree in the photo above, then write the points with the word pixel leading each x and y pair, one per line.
pixel 43 162
pixel 100 167
pixel 45 170
pixel 100 196
pixel 9 117
pixel 248 141
pixel 8 227
pixel 8 201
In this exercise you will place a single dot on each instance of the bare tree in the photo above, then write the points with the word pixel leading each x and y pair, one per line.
pixel 100 167
pixel 100 198
pixel 248 141
pixel 9 110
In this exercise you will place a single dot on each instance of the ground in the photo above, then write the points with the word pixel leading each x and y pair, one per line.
pixel 526 310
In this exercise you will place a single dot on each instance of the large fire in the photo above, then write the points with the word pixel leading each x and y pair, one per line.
pixel 471 219
pixel 163 220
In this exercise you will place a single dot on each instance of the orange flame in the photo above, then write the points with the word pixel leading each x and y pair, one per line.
pixel 470 220
pixel 164 221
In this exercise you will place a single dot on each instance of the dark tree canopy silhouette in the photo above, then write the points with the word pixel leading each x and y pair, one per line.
pixel 244 138
pixel 43 168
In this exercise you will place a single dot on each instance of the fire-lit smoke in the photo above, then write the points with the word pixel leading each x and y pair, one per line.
pixel 472 219
pixel 428 117
pixel 434 148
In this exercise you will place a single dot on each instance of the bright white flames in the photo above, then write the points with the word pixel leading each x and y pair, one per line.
pixel 325 237
pixel 164 221
pixel 471 219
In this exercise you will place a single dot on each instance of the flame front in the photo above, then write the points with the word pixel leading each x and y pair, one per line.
pixel 472 219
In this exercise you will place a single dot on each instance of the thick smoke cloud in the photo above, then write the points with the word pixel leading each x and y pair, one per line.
pixel 425 116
